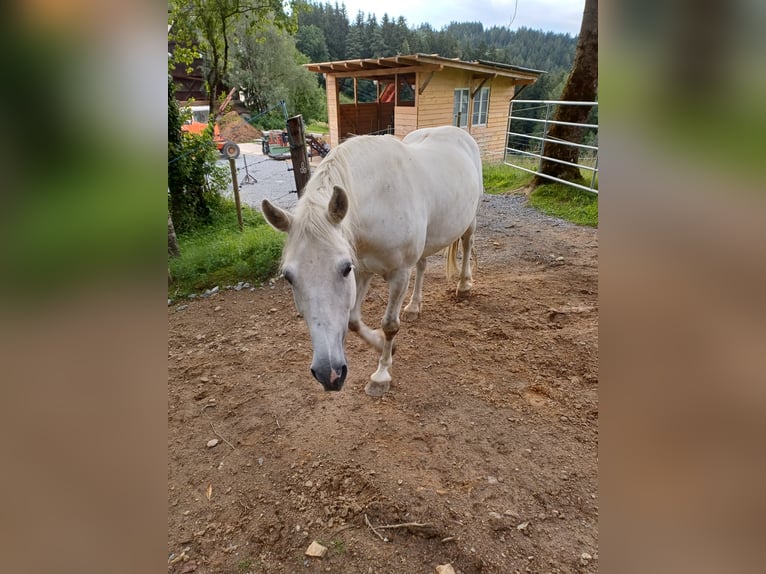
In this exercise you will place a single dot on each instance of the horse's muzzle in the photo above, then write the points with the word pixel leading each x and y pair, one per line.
pixel 329 378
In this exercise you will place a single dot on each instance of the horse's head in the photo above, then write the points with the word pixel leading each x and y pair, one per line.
pixel 317 262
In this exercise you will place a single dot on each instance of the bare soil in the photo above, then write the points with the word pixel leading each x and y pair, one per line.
pixel 483 454
pixel 237 130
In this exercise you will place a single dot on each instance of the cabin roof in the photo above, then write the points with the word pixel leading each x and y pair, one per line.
pixel 371 67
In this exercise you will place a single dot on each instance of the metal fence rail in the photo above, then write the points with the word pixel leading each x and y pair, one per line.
pixel 528 130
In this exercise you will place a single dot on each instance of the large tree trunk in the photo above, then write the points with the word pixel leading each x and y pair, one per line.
pixel 582 85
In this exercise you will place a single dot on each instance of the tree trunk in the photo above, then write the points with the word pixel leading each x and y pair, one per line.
pixel 582 85
pixel 173 249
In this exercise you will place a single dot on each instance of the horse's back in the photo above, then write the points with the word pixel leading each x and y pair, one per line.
pixel 414 196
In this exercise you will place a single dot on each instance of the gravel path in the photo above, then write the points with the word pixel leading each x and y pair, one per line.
pixel 274 178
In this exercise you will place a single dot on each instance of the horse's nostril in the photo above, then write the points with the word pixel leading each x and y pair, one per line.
pixel 343 373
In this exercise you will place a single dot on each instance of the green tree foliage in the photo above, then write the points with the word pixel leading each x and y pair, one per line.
pixel 267 67
pixel 206 26
pixel 310 41
pixel 191 162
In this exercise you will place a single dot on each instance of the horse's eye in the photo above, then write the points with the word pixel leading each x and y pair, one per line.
pixel 347 269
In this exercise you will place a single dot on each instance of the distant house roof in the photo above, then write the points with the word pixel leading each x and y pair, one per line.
pixel 423 62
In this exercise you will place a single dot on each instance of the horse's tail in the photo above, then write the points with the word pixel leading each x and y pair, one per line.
pixel 451 262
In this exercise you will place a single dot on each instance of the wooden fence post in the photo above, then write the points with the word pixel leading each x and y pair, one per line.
pixel 235 186
pixel 298 152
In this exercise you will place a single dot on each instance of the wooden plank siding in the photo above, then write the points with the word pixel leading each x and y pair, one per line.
pixel 436 105
pixel 405 120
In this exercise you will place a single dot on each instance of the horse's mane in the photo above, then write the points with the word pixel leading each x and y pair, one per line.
pixel 310 222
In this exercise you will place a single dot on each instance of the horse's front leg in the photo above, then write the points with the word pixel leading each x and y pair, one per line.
pixel 380 381
pixel 373 338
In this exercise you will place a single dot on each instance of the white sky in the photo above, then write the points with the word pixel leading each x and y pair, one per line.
pixel 555 15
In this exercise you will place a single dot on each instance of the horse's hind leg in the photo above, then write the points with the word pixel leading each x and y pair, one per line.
pixel 466 278
pixel 380 381
pixel 412 310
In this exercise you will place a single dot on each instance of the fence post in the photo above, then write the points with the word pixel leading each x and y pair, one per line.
pixel 235 186
pixel 298 152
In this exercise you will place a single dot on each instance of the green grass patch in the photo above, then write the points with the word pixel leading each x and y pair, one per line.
pixel 501 178
pixel 318 128
pixel 566 202
pixel 219 254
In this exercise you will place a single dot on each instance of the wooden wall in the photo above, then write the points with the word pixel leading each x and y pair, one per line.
pixel 436 102
pixel 405 120
pixel 432 108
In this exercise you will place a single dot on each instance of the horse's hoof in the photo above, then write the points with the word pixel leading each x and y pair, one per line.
pixel 410 315
pixel 464 294
pixel 377 389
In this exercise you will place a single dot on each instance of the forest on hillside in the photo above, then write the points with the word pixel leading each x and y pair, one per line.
pixel 326 32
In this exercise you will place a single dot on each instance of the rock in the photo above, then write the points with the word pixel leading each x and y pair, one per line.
pixel 523 526
pixel 497 522
pixel 181 308
pixel 492 480
pixel 316 550
pixel 585 558
pixel 212 442
pixel 217 308
pixel 170 302
pixel 445 569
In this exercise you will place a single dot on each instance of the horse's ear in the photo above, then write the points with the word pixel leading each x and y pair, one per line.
pixel 277 217
pixel 338 206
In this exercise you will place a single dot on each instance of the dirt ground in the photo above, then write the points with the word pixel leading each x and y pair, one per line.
pixel 483 455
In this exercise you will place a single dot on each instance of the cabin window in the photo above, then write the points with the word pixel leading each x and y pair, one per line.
pixel 406 90
pixel 460 108
pixel 480 107
pixel 366 91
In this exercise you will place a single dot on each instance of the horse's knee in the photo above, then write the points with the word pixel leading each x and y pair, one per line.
pixel 390 327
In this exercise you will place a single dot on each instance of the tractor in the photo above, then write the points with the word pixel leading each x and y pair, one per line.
pixel 198 122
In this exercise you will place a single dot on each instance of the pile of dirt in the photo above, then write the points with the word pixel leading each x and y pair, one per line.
pixel 236 129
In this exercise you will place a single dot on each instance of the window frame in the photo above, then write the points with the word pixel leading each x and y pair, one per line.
pixel 458 104
pixel 480 107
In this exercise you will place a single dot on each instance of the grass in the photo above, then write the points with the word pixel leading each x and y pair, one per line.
pixel 318 128
pixel 558 200
pixel 566 202
pixel 501 178
pixel 220 254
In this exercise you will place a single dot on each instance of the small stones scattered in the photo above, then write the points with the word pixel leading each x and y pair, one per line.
pixel 492 480
pixel 523 526
pixel 585 558
pixel 445 569
pixel 181 308
pixel 214 290
pixel 217 308
pixel 212 442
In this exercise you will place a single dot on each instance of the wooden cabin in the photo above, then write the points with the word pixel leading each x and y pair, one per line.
pixel 404 93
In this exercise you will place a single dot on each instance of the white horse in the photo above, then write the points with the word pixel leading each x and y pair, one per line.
pixel 377 205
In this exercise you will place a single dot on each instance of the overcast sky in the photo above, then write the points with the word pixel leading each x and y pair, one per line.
pixel 555 15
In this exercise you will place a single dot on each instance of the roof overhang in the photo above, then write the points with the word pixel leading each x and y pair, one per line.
pixel 376 67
